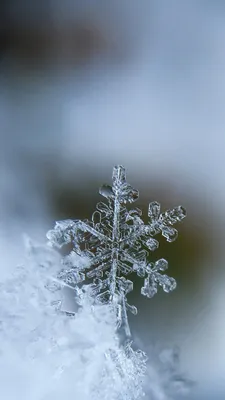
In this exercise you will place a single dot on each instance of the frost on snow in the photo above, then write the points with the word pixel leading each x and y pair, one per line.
pixel 48 355
pixel 116 243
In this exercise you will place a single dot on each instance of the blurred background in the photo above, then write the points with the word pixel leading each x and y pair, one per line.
pixel 86 85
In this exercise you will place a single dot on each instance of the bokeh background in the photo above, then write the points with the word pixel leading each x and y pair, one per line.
pixel 86 85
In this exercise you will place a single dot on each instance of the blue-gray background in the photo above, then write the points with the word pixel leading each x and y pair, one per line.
pixel 86 85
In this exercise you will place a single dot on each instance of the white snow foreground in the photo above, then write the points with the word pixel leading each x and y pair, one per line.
pixel 46 355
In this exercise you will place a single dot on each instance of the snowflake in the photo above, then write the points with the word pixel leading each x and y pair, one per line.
pixel 115 243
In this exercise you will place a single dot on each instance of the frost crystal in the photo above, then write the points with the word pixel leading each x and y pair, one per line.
pixel 116 243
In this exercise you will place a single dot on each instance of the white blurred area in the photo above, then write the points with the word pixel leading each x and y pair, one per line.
pixel 151 98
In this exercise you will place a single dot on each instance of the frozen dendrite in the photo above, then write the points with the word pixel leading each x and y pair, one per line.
pixel 115 243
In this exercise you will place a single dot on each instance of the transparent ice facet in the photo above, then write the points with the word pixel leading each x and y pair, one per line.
pixel 161 265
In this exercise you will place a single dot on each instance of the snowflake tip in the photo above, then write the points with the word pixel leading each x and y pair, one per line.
pixel 119 174
pixel 177 214
pixel 169 284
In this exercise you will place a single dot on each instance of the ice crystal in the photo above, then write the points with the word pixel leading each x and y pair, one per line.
pixel 115 243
